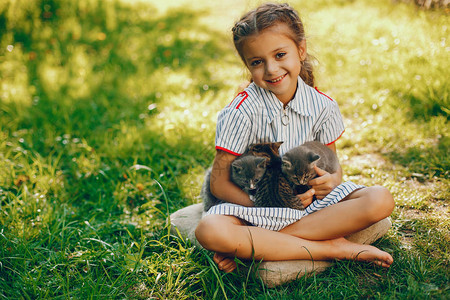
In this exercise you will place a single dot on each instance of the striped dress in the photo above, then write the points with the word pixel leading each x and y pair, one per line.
pixel 257 116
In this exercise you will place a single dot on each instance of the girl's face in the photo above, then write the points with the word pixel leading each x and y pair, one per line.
pixel 274 60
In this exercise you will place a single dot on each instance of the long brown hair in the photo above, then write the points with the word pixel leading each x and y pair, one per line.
pixel 266 16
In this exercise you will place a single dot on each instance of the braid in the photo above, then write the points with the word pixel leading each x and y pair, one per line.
pixel 306 72
pixel 266 16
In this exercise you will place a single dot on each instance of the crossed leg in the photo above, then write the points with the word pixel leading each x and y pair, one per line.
pixel 247 242
pixel 318 236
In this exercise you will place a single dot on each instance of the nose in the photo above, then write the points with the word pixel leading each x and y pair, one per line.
pixel 271 67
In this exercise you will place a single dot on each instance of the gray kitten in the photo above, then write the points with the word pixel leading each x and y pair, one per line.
pixel 246 171
pixel 298 164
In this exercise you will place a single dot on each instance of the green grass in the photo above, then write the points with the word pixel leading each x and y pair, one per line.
pixel 107 122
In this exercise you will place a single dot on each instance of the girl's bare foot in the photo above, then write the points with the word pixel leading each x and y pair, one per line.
pixel 224 262
pixel 352 251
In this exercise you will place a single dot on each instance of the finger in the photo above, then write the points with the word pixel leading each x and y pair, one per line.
pixel 323 177
pixel 306 195
pixel 325 187
pixel 317 181
pixel 319 171
pixel 320 194
pixel 320 197
pixel 306 202
pixel 306 198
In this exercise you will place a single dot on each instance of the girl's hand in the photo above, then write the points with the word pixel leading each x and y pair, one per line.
pixel 325 183
pixel 306 198
pixel 242 86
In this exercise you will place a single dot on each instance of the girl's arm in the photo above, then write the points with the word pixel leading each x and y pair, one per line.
pixel 221 185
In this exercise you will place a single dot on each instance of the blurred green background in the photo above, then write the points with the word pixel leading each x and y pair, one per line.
pixel 107 123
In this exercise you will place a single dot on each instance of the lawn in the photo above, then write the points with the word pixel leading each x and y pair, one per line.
pixel 107 123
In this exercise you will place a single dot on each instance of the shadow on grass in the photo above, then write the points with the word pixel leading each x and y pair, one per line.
pixel 86 168
pixel 425 162
pixel 423 108
pixel 90 67
pixel 429 102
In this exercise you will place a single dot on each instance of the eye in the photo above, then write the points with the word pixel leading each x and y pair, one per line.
pixel 255 62
pixel 280 55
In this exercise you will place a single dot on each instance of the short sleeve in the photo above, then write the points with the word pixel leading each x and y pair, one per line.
pixel 332 126
pixel 233 131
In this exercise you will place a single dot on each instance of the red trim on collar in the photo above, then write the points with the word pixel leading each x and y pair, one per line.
pixel 323 94
pixel 228 151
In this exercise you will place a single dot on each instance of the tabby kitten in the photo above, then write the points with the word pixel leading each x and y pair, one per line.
pixel 298 164
pixel 268 192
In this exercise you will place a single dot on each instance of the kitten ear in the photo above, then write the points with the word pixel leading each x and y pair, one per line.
pixel 286 164
pixel 313 158
pixel 277 145
pixel 261 161
pixel 236 167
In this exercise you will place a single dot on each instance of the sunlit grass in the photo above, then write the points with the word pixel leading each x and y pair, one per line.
pixel 107 123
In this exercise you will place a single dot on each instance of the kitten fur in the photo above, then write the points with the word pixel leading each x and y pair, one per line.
pixel 298 164
pixel 267 191
pixel 245 171
pixel 258 173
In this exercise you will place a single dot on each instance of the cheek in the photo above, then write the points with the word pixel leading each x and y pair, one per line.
pixel 257 76
pixel 295 66
pixel 293 62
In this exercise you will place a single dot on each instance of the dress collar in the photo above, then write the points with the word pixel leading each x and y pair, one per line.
pixel 301 103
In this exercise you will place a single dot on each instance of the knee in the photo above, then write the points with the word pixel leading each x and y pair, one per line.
pixel 211 233
pixel 380 202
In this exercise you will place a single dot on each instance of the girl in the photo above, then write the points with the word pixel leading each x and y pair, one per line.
pixel 282 105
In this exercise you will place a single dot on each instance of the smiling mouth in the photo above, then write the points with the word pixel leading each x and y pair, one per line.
pixel 278 79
